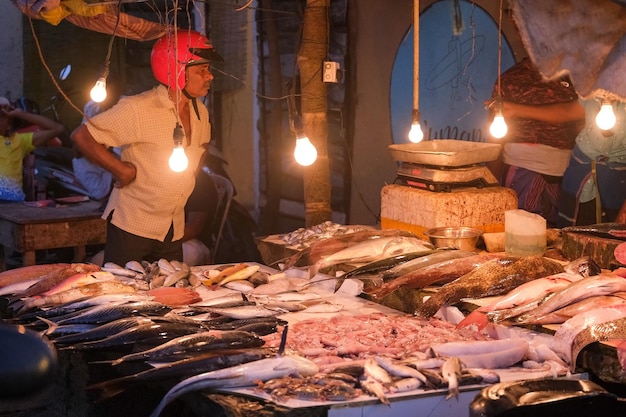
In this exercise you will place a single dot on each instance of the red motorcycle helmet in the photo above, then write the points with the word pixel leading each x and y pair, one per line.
pixel 177 50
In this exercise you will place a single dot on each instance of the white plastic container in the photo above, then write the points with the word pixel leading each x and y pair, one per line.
pixel 525 233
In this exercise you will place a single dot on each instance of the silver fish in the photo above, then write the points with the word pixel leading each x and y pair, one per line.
pixel 565 342
pixel 375 388
pixel 186 346
pixel 603 284
pixel 451 372
pixel 102 331
pixel 178 370
pixel 246 311
pixel 105 313
pixel 240 376
pixel 147 335
pixel 371 250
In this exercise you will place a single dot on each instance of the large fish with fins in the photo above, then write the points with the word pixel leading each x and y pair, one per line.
pixel 328 246
pixel 371 250
pixel 495 277
pixel 240 376
pixel 192 344
pixel 439 268
pixel 185 368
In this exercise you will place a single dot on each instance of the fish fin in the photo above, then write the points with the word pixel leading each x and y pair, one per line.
pixel 314 269
pixel 107 389
pixel 475 318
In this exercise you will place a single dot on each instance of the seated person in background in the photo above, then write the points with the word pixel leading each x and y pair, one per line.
pixel 17 145
pixel 543 118
pixel 200 212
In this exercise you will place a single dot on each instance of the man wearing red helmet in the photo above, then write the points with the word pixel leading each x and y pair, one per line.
pixel 145 212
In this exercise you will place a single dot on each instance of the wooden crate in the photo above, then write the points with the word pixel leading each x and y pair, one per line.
pixel 417 210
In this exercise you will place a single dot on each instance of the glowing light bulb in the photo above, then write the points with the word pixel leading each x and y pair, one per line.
pixel 415 134
pixel 178 160
pixel 99 91
pixel 605 119
pixel 498 128
pixel 305 153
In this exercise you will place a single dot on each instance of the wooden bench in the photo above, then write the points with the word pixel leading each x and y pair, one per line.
pixel 26 229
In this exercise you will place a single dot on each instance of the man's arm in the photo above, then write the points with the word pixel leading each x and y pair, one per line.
pixel 49 129
pixel 551 113
pixel 124 172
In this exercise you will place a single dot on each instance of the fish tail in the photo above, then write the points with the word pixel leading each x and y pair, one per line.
pixel 52 326
pixel 106 389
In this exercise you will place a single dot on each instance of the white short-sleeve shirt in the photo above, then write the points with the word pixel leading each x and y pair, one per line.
pixel 142 127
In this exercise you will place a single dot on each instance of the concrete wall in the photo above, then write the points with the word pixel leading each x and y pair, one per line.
pixel 11 58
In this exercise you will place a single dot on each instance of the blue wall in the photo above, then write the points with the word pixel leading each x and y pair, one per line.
pixel 457 74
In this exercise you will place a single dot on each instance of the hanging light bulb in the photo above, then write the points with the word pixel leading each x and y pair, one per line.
pixel 498 128
pixel 415 134
pixel 605 119
pixel 305 153
pixel 178 160
pixel 99 91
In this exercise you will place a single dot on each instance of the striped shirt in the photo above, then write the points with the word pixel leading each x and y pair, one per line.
pixel 142 127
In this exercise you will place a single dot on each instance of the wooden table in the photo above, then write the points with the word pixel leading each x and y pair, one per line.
pixel 25 229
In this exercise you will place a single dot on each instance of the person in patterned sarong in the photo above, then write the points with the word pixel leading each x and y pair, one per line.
pixel 543 118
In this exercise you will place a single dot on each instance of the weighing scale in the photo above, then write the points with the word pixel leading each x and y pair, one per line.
pixel 444 178
pixel 445 164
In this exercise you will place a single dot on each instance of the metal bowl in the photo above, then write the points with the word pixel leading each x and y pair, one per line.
pixel 457 237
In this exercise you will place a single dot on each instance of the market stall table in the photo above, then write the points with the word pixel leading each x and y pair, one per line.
pixel 26 229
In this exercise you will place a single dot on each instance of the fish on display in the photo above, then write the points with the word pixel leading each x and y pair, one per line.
pixel 371 250
pixel 146 335
pixel 580 307
pixel 440 268
pixel 57 276
pixel 322 248
pixel 385 264
pixel 494 277
pixel 78 280
pixel 237 324
pixel 102 331
pixel 185 368
pixel 28 273
pixel 75 294
pixel 240 376
pixel 451 372
pixel 519 300
pixel 189 345
pixel 107 313
pixel 603 284
pixel 74 306
pixel 599 324
pixel 245 312
pixel 606 230
pixel 584 266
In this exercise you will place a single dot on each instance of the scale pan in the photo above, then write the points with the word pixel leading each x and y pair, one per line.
pixel 445 152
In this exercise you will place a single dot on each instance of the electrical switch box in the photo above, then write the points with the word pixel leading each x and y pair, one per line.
pixel 331 72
